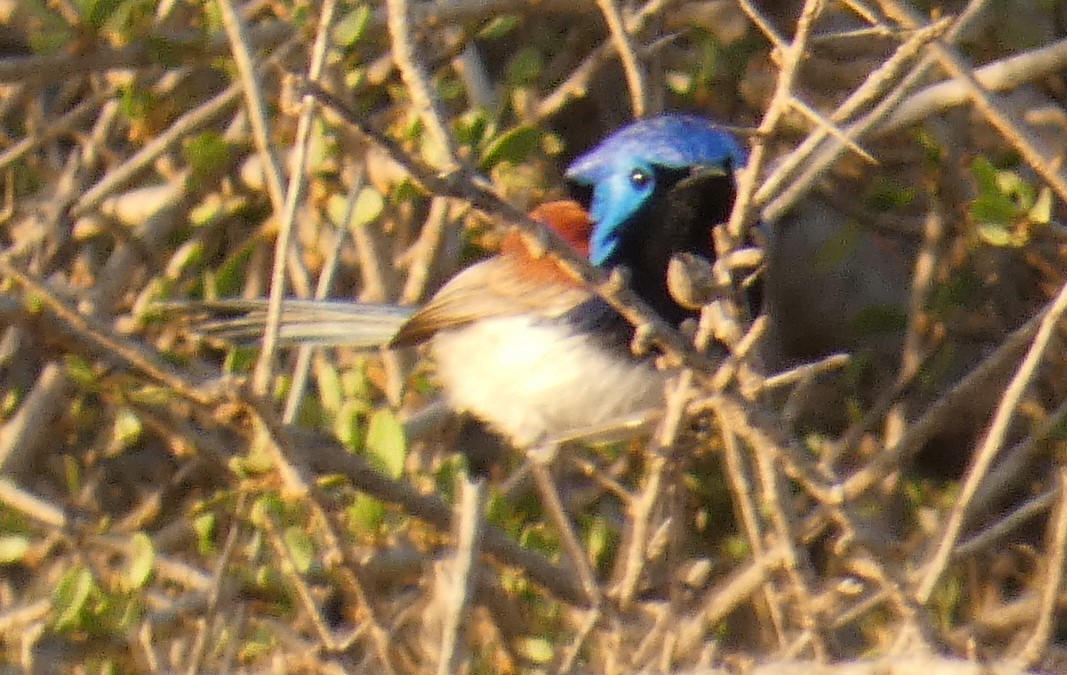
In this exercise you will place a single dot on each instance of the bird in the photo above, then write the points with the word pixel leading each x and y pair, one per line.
pixel 523 352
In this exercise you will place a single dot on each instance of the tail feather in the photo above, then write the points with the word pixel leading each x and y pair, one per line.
pixel 319 322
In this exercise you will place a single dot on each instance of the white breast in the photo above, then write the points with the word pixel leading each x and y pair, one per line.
pixel 532 380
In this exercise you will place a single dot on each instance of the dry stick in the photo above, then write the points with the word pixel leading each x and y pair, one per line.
pixel 470 504
pixel 295 188
pixel 718 602
pixel 1055 556
pixel 890 458
pixel 103 337
pixel 292 574
pixel 140 160
pixel 922 285
pixel 992 534
pixel 814 167
pixel 748 178
pixel 472 494
pixel 298 475
pixel 572 546
pixel 873 85
pixel 276 187
pixel 424 249
pixel 782 514
pixel 1007 73
pixel 577 83
pixel 50 129
pixel 635 76
pixel 994 440
pixel 1019 136
pixel 414 75
pixel 738 473
pixel 1015 460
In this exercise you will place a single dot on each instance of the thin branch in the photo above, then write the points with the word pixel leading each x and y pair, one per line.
pixel 635 76
pixel 994 440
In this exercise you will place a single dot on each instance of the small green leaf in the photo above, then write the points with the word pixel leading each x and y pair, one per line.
pixel 351 27
pixel 13 548
pixel 386 443
pixel 347 425
pixel 127 429
pixel 525 67
pixel 366 513
pixel 142 560
pixel 207 154
pixel 538 650
pixel 71 595
pixel 301 548
pixel 204 525
pixel 368 206
pixel 498 27
pixel 1041 211
pixel 985 174
pixel 514 146
pixel 97 12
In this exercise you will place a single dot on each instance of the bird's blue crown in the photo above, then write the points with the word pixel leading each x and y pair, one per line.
pixel 622 169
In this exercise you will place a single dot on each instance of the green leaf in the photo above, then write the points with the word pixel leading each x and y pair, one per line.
pixel 301 548
pixel 97 12
pixel 366 513
pixel 386 444
pixel 1041 211
pixel 13 548
pixel 350 28
pixel 995 234
pixel 207 154
pixel 204 525
pixel 514 146
pixel 538 650
pixel 127 429
pixel 347 425
pixel 498 27
pixel 142 560
pixel 985 174
pixel 525 67
pixel 71 596
pixel 368 206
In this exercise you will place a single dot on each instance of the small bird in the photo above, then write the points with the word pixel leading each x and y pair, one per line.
pixel 521 347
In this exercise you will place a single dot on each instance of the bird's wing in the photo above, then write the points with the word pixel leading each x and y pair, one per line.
pixel 498 286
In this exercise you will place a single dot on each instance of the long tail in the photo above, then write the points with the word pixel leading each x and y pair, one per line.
pixel 320 322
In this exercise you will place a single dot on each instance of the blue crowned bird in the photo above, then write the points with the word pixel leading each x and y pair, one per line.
pixel 520 348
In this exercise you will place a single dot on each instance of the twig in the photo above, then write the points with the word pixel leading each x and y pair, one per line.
pixel 994 439
pixel 260 378
pixel 1055 555
pixel 1020 137
pixel 572 546
pixel 748 178
pixel 1007 73
pixel 635 76
pixel 102 336
pixel 418 84
pixel 463 574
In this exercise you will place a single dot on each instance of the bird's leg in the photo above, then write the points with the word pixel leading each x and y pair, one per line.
pixel 540 458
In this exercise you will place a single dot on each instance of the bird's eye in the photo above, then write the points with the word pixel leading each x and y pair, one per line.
pixel 640 178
